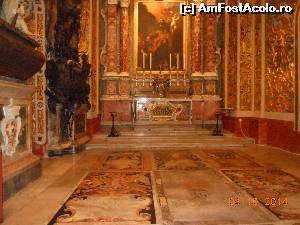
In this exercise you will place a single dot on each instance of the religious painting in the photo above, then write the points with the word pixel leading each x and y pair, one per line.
pixel 160 36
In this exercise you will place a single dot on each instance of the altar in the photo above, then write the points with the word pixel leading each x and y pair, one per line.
pixel 162 74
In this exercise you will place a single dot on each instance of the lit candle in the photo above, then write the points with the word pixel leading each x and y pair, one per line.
pixel 170 55
pixel 150 60
pixel 177 61
pixel 144 60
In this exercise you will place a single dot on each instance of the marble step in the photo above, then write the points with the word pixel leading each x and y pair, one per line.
pixel 158 134
pixel 167 143
pixel 169 128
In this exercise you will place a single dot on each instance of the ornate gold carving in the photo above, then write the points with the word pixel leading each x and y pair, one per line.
pixel 257 62
pixel 163 110
pixel 280 67
pixel 246 68
pixel 232 62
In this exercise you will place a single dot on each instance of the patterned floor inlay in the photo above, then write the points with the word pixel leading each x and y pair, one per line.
pixel 275 189
pixel 229 159
pixel 202 198
pixel 127 160
pixel 110 197
pixel 177 160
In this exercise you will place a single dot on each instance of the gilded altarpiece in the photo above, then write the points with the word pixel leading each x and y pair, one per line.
pixel 232 56
pixel 280 67
pixel 246 67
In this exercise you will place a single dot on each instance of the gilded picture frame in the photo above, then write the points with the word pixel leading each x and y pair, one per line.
pixel 159 30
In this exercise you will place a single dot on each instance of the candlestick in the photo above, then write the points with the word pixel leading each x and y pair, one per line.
pixel 177 56
pixel 150 60
pixel 170 56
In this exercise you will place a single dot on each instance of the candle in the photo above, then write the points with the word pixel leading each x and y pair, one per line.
pixel 177 61
pixel 170 55
pixel 150 60
pixel 136 80
pixel 144 60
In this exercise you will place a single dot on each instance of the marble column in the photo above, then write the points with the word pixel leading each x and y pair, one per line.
pixel 124 37
pixel 111 42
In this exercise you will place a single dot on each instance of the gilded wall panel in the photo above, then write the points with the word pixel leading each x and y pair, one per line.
pixel 279 73
pixel 232 61
pixel 246 67
pixel 94 57
pixel 257 62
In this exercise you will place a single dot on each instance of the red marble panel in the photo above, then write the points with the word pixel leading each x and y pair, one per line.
pixel 210 42
pixel 277 133
pixel 196 47
pixel 124 40
pixel 205 110
pixel 123 109
pixel 198 88
pixel 93 125
pixel 112 38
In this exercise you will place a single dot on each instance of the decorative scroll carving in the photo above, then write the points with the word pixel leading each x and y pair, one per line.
pixel 163 110
pixel 10 128
pixel 245 62
pixel 280 67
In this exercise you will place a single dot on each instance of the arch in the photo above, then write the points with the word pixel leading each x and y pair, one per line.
pixel 297 68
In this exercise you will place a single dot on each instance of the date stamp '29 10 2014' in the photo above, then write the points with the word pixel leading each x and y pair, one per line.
pixel 253 201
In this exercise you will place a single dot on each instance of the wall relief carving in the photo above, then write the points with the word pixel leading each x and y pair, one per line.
pixel 10 128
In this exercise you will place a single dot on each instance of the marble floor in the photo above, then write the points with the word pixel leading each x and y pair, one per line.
pixel 227 185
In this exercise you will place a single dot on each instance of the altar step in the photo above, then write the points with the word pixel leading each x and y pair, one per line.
pixel 158 139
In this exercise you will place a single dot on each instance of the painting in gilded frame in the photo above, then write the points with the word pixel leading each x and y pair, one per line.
pixel 160 32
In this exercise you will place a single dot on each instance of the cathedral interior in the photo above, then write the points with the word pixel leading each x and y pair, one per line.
pixel 126 112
